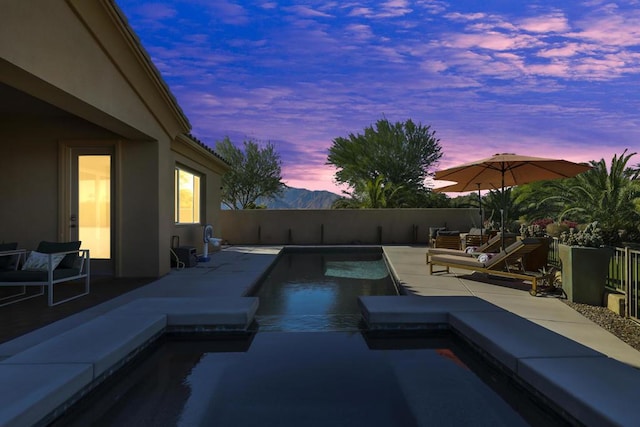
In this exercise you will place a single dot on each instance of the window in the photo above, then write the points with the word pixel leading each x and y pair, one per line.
pixel 188 195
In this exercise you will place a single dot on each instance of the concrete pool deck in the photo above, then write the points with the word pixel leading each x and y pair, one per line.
pixel 35 385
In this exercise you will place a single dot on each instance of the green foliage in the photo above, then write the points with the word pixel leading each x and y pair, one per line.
pixel 465 201
pixel 536 201
pixel 608 196
pixel 378 194
pixel 496 200
pixel 591 236
pixel 255 173
pixel 371 194
pixel 400 153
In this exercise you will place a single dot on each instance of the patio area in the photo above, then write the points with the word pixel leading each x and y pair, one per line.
pixel 26 316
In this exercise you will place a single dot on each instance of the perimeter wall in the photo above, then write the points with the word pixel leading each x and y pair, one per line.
pixel 340 226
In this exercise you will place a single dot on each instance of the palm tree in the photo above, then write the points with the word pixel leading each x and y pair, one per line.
pixel 373 194
pixel 496 201
pixel 379 194
pixel 609 197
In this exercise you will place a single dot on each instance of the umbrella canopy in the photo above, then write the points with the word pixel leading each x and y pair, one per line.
pixel 506 170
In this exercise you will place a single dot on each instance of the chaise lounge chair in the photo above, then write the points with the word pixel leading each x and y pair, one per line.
pixel 507 263
pixel 492 245
pixel 50 264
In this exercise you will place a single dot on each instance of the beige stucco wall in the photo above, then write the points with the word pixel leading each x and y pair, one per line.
pixel 79 57
pixel 340 226
pixel 192 156
pixel 30 176
pixel 51 52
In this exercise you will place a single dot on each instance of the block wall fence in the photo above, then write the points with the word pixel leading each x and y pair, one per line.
pixel 340 226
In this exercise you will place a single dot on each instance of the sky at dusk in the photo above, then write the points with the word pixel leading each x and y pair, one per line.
pixel 543 78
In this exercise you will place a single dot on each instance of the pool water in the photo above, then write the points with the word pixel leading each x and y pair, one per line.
pixel 301 379
pixel 318 290
pixel 309 362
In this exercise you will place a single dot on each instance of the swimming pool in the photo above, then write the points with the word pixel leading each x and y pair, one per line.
pixel 315 289
pixel 304 379
pixel 285 374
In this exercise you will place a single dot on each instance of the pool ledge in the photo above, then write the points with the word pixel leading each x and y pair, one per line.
pixel 591 387
pixel 38 383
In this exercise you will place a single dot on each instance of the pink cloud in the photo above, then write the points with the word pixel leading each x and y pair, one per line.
pixel 557 23
pixel 307 11
pixel 490 41
pixel 156 11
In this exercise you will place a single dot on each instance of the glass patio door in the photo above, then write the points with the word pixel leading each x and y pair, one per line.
pixel 91 213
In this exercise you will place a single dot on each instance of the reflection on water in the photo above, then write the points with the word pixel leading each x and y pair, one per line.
pixel 319 291
pixel 302 379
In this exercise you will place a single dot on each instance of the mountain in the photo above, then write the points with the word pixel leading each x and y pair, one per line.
pixel 300 198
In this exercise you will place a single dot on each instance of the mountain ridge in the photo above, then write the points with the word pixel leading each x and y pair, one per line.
pixel 300 198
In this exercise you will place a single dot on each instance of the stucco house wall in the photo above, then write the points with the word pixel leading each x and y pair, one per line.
pixel 73 74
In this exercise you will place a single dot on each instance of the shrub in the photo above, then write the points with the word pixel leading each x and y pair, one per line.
pixel 555 230
pixel 542 223
pixel 591 236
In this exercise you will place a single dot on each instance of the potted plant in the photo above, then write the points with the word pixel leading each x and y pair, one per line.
pixel 585 263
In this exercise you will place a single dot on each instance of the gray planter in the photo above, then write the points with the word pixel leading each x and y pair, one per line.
pixel 584 273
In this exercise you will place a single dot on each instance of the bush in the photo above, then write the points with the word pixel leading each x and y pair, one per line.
pixel 591 236
pixel 542 223
pixel 555 229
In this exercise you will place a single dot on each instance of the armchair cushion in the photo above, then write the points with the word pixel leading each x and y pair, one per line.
pixel 36 276
pixel 53 247
pixel 7 261
pixel 40 262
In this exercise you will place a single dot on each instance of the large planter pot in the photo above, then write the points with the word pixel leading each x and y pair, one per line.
pixel 584 273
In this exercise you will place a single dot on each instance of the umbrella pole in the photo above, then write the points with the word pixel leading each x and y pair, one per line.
pixel 481 218
pixel 504 204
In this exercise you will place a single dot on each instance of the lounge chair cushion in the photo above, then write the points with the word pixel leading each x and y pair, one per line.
pixel 40 262
pixel 53 247
pixel 6 262
pixel 457 259
pixel 448 232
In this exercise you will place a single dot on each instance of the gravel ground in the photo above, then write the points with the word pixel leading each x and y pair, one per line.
pixel 625 329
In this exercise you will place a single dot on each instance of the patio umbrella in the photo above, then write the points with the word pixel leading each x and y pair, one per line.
pixel 506 170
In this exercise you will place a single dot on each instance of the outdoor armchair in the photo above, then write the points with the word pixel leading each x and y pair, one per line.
pixel 50 264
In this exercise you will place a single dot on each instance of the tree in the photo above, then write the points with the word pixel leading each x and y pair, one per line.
pixel 537 201
pixel 608 196
pixel 499 206
pixel 401 153
pixel 370 194
pixel 255 173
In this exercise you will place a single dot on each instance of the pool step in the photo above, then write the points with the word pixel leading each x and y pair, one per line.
pixel 309 322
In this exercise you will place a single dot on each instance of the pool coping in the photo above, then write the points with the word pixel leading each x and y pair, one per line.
pixel 589 386
pixel 41 382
